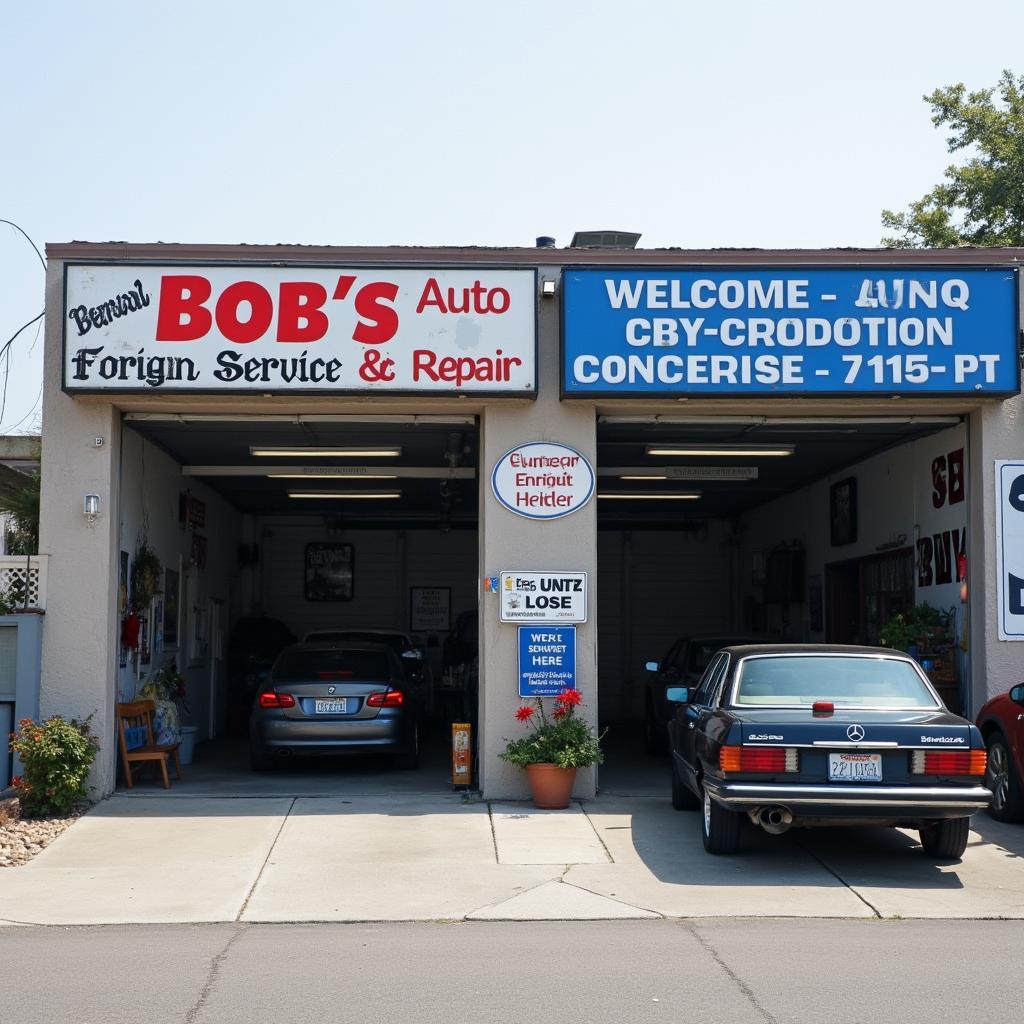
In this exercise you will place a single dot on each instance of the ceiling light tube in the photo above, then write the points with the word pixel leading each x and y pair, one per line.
pixel 326 451
pixel 645 476
pixel 331 476
pixel 714 451
pixel 628 496
pixel 344 495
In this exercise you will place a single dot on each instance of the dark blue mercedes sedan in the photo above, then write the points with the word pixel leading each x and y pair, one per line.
pixel 806 735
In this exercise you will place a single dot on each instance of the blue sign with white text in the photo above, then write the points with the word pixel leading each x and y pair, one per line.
pixel 727 331
pixel 547 660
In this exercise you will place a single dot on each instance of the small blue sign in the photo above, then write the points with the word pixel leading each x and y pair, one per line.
pixel 547 660
pixel 785 331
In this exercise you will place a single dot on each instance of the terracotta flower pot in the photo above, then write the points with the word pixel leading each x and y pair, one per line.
pixel 550 785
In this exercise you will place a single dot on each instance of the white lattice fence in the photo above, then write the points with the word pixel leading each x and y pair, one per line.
pixel 14 570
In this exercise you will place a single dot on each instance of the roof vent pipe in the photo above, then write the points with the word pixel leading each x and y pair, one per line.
pixel 545 242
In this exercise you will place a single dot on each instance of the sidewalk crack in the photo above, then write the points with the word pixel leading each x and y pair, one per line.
pixel 212 974
pixel 600 838
pixel 734 977
pixel 266 860
pixel 494 834
pixel 835 874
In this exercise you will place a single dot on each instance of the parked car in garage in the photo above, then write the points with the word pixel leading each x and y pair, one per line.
pixel 414 664
pixel 683 664
pixel 787 735
pixel 1001 722
pixel 332 698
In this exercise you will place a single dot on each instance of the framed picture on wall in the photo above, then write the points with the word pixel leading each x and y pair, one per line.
pixel 430 609
pixel 329 572
pixel 843 512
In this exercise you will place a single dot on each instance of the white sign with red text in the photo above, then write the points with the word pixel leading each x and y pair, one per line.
pixel 543 480
pixel 136 327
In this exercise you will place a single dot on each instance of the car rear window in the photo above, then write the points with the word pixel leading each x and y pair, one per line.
pixel 395 641
pixel 312 666
pixel 845 681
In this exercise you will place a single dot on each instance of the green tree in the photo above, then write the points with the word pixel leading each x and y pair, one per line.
pixel 20 501
pixel 980 202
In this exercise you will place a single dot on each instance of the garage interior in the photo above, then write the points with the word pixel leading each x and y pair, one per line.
pixel 234 505
pixel 722 526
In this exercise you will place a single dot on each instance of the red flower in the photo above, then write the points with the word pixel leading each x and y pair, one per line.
pixel 525 713
pixel 559 712
pixel 570 698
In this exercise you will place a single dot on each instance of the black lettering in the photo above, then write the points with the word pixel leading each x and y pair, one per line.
pixel 229 369
pixel 924 562
pixel 1016 498
pixel 143 296
pixel 959 550
pixel 1015 593
pixel 943 561
pixel 84 358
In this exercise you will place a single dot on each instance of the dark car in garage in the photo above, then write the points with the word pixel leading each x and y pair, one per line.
pixel 326 698
pixel 787 735
pixel 1001 721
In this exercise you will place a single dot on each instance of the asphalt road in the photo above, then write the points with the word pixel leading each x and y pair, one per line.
pixel 713 972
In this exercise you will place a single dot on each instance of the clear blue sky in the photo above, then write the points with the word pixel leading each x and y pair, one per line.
pixel 788 123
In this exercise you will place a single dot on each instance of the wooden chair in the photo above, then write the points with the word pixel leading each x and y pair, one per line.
pixel 135 738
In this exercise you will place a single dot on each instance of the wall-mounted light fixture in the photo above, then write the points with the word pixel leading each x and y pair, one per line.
pixel 547 287
pixel 91 508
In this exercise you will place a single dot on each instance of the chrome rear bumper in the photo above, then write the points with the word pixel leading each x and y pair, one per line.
pixel 896 799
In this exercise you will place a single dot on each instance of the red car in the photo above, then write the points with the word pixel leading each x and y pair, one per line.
pixel 1001 722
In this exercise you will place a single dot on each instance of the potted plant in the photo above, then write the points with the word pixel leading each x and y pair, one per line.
pixel 903 631
pixel 145 576
pixel 558 743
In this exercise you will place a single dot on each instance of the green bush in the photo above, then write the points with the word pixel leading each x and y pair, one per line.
pixel 56 755
pixel 560 738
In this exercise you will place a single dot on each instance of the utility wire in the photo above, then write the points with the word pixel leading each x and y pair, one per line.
pixel 27 239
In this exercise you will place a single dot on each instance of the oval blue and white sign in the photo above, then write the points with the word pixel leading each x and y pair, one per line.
pixel 543 480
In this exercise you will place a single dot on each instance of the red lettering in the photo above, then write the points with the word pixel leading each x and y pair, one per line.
pixel 956 476
pixel 299 316
pixel 423 362
pixel 261 312
pixel 383 320
pixel 181 315
pixel 431 297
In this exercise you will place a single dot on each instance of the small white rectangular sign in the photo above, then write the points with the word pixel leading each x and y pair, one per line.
pixel 236 328
pixel 1010 548
pixel 528 596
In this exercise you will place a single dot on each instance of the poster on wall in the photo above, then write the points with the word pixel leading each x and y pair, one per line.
pixel 329 571
pixel 843 512
pixel 145 633
pixel 224 328
pixel 1010 548
pixel 430 609
pixel 122 607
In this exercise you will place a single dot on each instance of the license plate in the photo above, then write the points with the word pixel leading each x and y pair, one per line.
pixel 855 767
pixel 331 707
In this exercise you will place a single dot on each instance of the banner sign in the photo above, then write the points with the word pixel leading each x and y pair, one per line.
pixel 547 660
pixel 1010 548
pixel 719 332
pixel 543 480
pixel 543 596
pixel 230 329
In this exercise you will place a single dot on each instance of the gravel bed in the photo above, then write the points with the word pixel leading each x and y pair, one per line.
pixel 22 840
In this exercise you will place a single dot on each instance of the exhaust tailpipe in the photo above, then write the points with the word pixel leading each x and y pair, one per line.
pixel 775 820
pixel 284 752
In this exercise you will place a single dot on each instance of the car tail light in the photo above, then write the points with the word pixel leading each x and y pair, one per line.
pixel 390 699
pixel 758 759
pixel 948 762
pixel 269 699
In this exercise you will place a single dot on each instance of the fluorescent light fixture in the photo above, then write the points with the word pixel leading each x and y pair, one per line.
pixel 331 476
pixel 646 476
pixel 329 452
pixel 651 496
pixel 715 450
pixel 345 495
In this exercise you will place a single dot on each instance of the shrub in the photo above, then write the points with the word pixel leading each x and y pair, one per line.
pixel 56 755
pixel 560 738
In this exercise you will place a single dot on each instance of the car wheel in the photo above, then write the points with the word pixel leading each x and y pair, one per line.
pixel 655 739
pixel 260 762
pixel 719 828
pixel 946 840
pixel 682 797
pixel 410 760
pixel 1002 778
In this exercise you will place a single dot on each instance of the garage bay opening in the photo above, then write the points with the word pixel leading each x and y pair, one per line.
pixel 722 530
pixel 296 588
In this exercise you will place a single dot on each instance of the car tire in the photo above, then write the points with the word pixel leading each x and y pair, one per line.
pixel 260 762
pixel 683 799
pixel 719 829
pixel 1001 777
pixel 410 760
pixel 655 735
pixel 947 839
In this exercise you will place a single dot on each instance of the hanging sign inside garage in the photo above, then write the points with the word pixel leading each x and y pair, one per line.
pixel 718 332
pixel 150 328
pixel 1010 548
pixel 547 660
pixel 543 596
pixel 543 480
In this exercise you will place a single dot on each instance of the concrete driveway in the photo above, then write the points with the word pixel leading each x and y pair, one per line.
pixel 153 858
